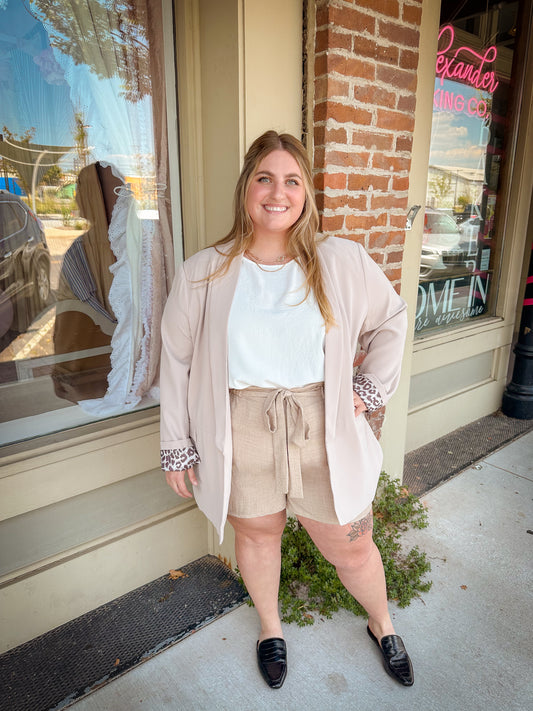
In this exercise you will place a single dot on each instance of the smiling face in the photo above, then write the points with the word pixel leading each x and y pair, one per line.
pixel 276 195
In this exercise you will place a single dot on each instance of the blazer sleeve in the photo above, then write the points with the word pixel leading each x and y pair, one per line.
pixel 176 357
pixel 382 337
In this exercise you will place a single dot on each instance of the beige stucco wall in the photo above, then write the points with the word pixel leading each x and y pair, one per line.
pixel 272 67
pixel 232 87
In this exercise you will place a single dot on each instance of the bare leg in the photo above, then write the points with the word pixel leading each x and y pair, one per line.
pixel 258 552
pixel 354 554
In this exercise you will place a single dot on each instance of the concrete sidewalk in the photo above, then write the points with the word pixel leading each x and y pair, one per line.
pixel 469 638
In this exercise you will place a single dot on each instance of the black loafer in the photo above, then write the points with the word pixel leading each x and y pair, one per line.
pixel 395 658
pixel 272 660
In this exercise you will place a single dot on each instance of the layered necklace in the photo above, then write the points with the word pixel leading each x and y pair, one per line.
pixel 282 260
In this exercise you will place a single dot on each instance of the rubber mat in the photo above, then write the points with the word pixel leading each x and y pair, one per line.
pixel 428 466
pixel 57 668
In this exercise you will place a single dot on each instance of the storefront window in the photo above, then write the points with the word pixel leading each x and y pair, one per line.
pixel 84 210
pixel 471 120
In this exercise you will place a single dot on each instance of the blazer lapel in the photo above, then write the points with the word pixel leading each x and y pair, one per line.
pixel 333 352
pixel 220 297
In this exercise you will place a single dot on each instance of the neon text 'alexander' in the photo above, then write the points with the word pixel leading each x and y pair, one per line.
pixel 465 64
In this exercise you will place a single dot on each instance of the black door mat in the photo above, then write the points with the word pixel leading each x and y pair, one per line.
pixel 58 668
pixel 428 466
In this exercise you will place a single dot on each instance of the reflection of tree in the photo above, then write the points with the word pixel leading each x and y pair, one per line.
pixel 80 138
pixel 109 37
pixel 52 176
pixel 440 187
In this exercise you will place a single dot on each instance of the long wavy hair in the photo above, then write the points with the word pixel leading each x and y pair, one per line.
pixel 303 237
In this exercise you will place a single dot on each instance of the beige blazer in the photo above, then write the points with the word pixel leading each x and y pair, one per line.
pixel 194 371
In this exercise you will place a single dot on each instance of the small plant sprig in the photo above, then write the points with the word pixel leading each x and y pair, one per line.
pixel 309 585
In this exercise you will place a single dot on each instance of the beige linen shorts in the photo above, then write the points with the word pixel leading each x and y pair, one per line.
pixel 279 454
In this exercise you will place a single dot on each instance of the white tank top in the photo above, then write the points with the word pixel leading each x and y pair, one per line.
pixel 273 339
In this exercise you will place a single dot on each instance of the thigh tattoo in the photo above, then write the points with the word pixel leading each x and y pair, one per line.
pixel 359 528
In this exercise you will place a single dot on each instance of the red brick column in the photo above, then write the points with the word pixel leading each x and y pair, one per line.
pixel 366 57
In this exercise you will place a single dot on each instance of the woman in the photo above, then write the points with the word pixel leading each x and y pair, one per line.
pixel 258 407
pixel 84 317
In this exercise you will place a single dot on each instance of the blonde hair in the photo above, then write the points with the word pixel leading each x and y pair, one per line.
pixel 302 235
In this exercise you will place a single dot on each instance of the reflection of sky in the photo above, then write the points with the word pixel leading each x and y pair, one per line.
pixel 458 139
pixel 41 87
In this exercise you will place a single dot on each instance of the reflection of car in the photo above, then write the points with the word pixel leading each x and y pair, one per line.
pixel 24 264
pixel 470 231
pixel 470 227
pixel 442 250
pixel 469 211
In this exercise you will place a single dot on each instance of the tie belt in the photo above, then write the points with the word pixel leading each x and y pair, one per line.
pixel 284 418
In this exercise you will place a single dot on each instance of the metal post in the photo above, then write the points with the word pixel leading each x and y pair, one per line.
pixel 518 396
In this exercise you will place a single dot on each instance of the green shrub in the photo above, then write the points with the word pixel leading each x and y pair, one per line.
pixel 48 206
pixel 67 216
pixel 309 585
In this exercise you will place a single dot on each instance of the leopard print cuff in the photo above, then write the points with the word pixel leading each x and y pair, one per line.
pixel 368 392
pixel 176 460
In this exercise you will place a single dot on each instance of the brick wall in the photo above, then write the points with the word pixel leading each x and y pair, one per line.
pixel 366 57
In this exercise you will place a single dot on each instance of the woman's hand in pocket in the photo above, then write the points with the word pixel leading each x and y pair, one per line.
pixel 358 405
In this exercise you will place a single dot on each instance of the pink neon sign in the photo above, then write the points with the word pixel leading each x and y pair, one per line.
pixel 450 101
pixel 468 68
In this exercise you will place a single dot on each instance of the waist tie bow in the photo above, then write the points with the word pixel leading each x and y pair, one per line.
pixel 284 418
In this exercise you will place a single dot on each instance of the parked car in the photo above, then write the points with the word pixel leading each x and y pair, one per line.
pixel 443 250
pixel 470 227
pixel 470 210
pixel 24 265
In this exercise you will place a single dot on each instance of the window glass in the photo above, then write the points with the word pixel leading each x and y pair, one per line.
pixel 471 114
pixel 84 210
pixel 13 222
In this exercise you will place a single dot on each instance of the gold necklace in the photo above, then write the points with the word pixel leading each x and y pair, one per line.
pixel 257 262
